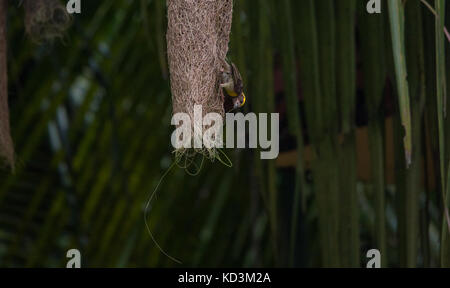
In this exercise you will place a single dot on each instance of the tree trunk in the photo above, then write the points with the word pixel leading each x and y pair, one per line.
pixel 6 146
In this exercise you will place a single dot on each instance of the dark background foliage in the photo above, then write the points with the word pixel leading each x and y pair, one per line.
pixel 90 119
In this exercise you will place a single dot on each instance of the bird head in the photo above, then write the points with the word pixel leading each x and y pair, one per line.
pixel 239 101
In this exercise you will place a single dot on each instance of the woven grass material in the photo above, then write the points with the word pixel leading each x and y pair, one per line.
pixel 6 145
pixel 197 43
pixel 45 19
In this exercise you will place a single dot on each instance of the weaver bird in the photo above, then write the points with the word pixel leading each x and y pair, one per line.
pixel 234 87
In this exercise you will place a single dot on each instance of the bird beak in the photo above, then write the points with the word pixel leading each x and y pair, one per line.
pixel 236 103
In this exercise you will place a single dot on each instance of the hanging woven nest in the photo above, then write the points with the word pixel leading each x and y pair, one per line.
pixel 45 19
pixel 197 44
